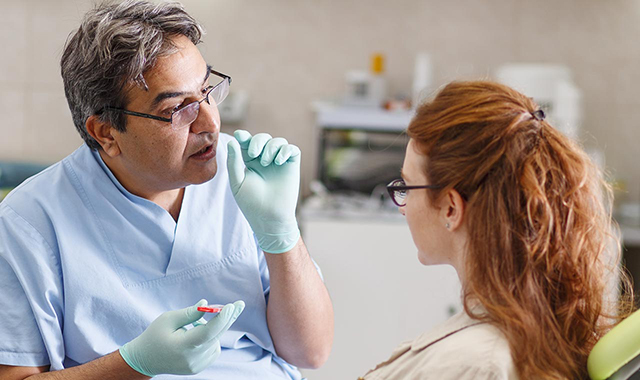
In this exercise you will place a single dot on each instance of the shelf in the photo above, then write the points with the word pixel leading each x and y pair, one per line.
pixel 331 116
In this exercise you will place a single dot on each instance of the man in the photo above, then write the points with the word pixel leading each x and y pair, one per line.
pixel 102 254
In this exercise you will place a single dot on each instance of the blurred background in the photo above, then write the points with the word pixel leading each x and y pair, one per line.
pixel 338 78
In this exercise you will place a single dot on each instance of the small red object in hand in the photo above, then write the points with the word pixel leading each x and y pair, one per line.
pixel 211 308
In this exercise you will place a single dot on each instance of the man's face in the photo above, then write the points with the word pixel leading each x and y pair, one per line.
pixel 155 156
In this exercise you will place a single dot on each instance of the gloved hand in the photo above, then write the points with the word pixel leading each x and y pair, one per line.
pixel 264 173
pixel 167 347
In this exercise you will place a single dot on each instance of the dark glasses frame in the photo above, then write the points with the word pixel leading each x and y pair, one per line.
pixel 398 186
pixel 210 89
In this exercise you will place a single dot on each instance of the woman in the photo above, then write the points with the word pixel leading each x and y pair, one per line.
pixel 519 210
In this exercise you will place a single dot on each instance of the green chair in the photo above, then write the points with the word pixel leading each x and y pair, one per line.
pixel 616 356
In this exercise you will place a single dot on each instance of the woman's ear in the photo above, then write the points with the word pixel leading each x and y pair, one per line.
pixel 452 209
pixel 103 133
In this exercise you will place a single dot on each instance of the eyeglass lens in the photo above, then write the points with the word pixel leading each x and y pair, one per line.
pixel 399 195
pixel 189 113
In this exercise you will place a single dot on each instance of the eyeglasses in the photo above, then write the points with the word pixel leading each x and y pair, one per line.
pixel 398 191
pixel 188 113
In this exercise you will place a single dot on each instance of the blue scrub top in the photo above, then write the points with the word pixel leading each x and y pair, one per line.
pixel 86 266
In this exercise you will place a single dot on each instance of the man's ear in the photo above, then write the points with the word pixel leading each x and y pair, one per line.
pixel 453 209
pixel 103 133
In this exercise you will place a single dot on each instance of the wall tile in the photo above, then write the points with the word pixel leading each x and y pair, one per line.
pixel 13 39
pixel 50 23
pixel 50 134
pixel 615 131
pixel 12 124
pixel 623 137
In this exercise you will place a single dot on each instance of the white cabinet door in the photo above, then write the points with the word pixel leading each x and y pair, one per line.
pixel 381 293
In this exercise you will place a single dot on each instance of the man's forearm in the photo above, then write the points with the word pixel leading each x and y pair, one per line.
pixel 299 314
pixel 108 367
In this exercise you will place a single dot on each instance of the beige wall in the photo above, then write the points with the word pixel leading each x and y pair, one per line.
pixel 288 53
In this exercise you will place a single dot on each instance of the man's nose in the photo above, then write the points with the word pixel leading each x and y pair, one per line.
pixel 401 209
pixel 208 119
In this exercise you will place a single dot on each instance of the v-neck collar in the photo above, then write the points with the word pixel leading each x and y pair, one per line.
pixel 181 243
pixel 160 212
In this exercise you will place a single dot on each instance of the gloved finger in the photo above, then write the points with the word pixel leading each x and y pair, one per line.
pixel 204 356
pixel 239 307
pixel 216 326
pixel 243 137
pixel 235 164
pixel 199 322
pixel 288 152
pixel 257 143
pixel 221 323
pixel 176 319
pixel 271 149
pixel 214 354
pixel 211 354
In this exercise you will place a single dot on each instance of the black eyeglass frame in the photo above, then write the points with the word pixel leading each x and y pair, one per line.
pixel 391 188
pixel 170 120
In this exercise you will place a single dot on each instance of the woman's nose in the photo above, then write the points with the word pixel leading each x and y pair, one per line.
pixel 401 210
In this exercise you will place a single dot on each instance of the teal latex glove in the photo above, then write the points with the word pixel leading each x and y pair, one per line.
pixel 166 347
pixel 264 173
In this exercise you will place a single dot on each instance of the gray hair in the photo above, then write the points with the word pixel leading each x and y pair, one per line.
pixel 113 48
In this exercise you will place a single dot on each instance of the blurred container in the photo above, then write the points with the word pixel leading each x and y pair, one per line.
pixel 235 107
pixel 367 89
pixel 422 79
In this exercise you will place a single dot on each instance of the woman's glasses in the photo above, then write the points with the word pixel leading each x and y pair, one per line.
pixel 398 191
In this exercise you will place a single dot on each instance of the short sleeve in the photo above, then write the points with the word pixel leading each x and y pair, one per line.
pixel 20 340
pixel 31 297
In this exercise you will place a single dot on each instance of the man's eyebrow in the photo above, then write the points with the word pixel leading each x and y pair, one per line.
pixel 206 76
pixel 165 95
pixel 174 94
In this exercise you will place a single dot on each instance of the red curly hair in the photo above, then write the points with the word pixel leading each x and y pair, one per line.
pixel 542 249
